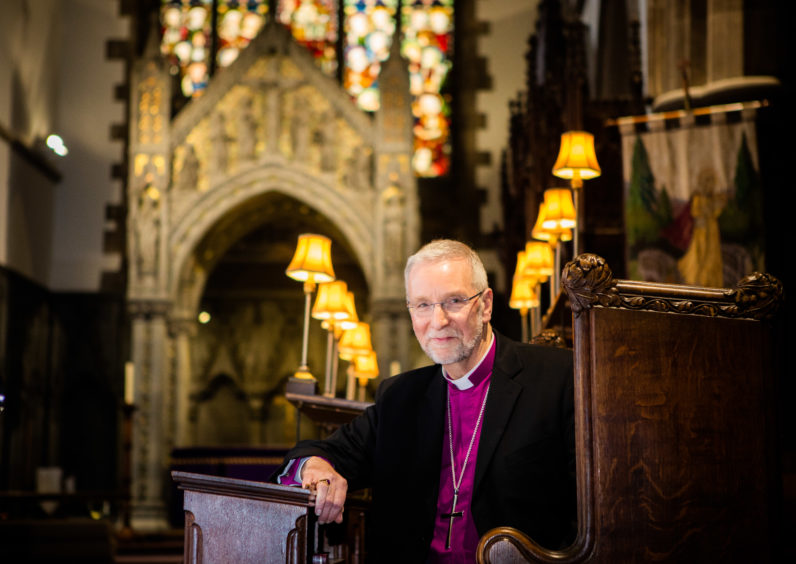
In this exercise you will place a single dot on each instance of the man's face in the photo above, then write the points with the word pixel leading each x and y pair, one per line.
pixel 449 339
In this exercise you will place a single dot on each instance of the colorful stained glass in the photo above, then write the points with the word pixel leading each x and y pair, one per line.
pixel 186 35
pixel 186 41
pixel 427 44
pixel 368 28
pixel 314 25
pixel 239 21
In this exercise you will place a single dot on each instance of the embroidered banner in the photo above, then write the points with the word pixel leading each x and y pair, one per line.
pixel 693 198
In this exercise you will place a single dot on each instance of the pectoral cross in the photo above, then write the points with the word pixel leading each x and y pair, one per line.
pixel 450 517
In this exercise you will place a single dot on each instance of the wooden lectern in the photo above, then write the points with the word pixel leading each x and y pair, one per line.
pixel 675 399
pixel 229 520
pixel 242 522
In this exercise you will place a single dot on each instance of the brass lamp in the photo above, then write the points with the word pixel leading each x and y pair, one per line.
pixel 554 224
pixel 538 265
pixel 311 264
pixel 339 328
pixel 524 297
pixel 354 342
pixel 332 306
pixel 366 367
pixel 577 162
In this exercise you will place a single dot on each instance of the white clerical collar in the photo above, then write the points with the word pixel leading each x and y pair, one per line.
pixel 464 382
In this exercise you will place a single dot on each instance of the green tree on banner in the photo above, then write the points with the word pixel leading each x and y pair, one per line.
pixel 742 217
pixel 647 212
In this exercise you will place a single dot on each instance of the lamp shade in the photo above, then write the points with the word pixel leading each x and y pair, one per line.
pixel 538 260
pixel 541 233
pixel 576 157
pixel 330 303
pixel 312 261
pixel 355 341
pixel 352 320
pixel 523 295
pixel 521 260
pixel 366 365
pixel 559 209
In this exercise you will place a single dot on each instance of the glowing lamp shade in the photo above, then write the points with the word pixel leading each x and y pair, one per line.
pixel 366 366
pixel 559 209
pixel 576 157
pixel 538 260
pixel 355 342
pixel 523 295
pixel 312 261
pixel 543 234
pixel 330 304
pixel 521 262
pixel 352 320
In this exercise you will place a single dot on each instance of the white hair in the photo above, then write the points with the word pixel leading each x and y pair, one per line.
pixel 448 249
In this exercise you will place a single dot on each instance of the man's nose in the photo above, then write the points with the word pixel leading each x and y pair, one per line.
pixel 438 316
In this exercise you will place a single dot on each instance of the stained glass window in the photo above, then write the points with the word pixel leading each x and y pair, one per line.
pixel 427 44
pixel 186 41
pixel 368 29
pixel 187 35
pixel 239 21
pixel 314 25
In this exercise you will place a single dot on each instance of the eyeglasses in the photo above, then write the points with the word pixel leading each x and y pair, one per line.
pixel 451 305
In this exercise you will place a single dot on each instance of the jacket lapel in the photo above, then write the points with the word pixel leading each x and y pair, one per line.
pixel 430 426
pixel 503 394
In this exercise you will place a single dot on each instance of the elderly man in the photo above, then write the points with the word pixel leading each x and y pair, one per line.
pixel 482 439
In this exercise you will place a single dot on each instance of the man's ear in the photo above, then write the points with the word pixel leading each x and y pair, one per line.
pixel 487 298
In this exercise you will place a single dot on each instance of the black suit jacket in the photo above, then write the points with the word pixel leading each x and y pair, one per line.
pixel 524 475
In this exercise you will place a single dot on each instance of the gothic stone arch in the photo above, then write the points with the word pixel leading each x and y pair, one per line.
pixel 271 122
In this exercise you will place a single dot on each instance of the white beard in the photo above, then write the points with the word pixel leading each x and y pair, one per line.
pixel 460 352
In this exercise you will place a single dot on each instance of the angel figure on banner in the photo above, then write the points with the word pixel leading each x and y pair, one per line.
pixel 701 265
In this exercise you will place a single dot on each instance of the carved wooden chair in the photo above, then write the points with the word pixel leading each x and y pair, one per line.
pixel 675 423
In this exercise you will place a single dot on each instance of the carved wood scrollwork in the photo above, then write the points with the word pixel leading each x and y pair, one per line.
pixel 550 338
pixel 589 282
pixel 757 295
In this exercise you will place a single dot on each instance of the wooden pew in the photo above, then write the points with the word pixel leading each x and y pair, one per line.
pixel 675 397
pixel 242 521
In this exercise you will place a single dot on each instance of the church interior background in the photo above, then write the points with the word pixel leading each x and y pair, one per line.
pixel 204 136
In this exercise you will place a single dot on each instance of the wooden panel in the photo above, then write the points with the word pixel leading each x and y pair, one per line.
pixel 239 521
pixel 680 467
pixel 676 438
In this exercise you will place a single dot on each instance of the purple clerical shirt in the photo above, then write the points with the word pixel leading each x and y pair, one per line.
pixel 466 398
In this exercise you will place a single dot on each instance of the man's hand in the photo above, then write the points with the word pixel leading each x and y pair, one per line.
pixel 330 489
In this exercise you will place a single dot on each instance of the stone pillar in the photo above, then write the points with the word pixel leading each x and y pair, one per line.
pixel 391 332
pixel 397 216
pixel 149 451
pixel 182 332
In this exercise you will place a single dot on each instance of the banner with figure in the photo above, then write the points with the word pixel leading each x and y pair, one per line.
pixel 693 198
